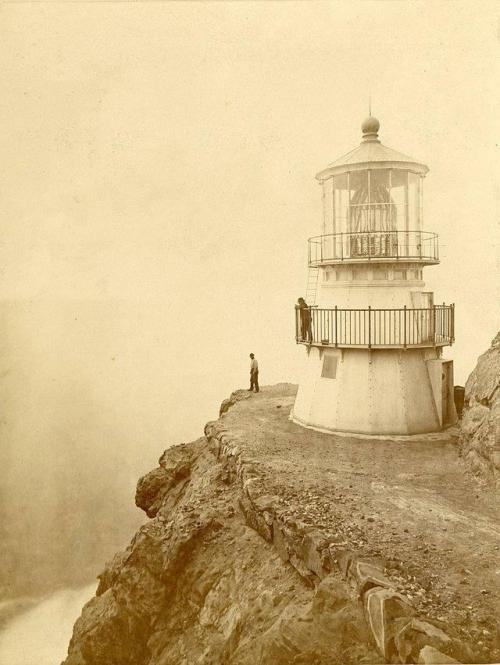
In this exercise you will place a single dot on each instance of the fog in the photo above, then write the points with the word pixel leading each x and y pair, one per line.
pixel 157 197
pixel 53 618
pixel 93 392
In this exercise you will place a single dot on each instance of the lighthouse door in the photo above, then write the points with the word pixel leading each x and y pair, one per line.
pixel 446 390
pixel 428 297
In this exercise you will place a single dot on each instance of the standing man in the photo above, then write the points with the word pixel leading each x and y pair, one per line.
pixel 305 320
pixel 254 373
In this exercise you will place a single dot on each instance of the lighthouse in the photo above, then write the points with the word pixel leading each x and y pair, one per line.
pixel 373 336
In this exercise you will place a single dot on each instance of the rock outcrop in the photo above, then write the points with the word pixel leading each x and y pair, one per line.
pixel 255 554
pixel 480 427
pixel 197 585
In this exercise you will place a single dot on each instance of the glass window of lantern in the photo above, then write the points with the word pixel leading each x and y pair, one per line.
pixel 328 210
pixel 379 186
pixel 358 202
pixel 399 187
pixel 358 185
pixel 414 201
pixel 340 202
pixel 382 215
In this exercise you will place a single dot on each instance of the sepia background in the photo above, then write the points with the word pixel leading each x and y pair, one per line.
pixel 156 193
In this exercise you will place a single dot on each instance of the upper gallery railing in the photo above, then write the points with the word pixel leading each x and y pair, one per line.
pixel 374 245
pixel 404 327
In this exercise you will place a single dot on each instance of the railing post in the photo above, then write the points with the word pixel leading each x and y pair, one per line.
pixel 369 327
pixel 341 246
pixel 452 312
pixel 404 326
pixel 336 339
pixel 444 317
pixel 434 324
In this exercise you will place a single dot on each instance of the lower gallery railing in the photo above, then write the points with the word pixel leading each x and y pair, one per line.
pixel 405 327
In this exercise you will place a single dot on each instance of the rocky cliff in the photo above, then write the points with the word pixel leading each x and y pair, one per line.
pixel 271 544
pixel 480 428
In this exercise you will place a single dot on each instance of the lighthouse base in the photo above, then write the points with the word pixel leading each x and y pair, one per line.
pixel 382 391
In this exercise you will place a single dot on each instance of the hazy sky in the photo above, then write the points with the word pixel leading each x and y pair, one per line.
pixel 166 152
pixel 156 194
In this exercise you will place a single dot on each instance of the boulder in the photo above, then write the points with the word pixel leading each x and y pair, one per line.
pixel 415 635
pixel 385 611
pixel 152 489
pixel 431 656
pixel 479 441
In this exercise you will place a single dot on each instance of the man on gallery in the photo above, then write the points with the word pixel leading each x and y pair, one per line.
pixel 305 320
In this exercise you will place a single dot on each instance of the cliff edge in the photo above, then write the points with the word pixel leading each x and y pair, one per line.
pixel 480 428
pixel 272 544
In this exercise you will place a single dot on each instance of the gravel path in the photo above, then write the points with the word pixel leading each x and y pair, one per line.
pixel 409 502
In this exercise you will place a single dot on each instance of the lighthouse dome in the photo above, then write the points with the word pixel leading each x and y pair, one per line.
pixel 370 125
pixel 371 154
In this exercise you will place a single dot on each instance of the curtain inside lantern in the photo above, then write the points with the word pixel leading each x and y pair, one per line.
pixel 372 214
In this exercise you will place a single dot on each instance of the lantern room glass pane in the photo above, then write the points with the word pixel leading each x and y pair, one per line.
pixel 341 202
pixel 358 219
pixel 328 208
pixel 358 182
pixel 414 201
pixel 399 193
pixel 382 214
pixel 379 186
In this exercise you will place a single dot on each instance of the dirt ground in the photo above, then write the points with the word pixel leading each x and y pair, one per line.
pixel 410 502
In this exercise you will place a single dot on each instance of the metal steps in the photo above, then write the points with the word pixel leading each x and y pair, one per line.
pixel 312 286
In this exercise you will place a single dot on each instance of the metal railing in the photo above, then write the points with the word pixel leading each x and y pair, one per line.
pixel 374 245
pixel 368 328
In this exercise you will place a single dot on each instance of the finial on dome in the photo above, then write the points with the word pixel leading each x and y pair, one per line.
pixel 370 127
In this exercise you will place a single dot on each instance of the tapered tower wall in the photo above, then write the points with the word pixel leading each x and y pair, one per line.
pixel 383 391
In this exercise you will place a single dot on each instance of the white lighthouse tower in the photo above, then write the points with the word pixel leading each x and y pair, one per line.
pixel 373 335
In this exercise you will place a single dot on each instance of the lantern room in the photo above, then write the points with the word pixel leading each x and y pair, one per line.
pixel 375 193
